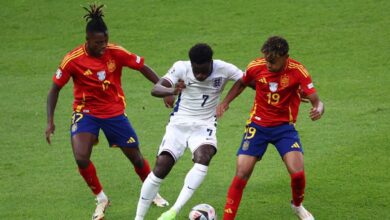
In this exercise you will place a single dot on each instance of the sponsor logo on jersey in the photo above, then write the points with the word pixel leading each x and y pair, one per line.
pixel 138 60
pixel 111 66
pixel 262 80
pixel 87 72
pixel 273 86
pixel 217 82
pixel 101 75
pixel 58 74
pixel 284 80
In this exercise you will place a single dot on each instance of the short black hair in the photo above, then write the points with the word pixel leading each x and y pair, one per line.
pixel 275 46
pixel 200 53
pixel 94 17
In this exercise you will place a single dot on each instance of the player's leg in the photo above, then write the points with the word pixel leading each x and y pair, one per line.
pixel 244 169
pixel 172 147
pixel 290 149
pixel 164 164
pixel 252 148
pixel 201 157
pixel 84 131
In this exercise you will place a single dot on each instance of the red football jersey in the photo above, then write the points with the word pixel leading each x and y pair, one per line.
pixel 277 94
pixel 97 80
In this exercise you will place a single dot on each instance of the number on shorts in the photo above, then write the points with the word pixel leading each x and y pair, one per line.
pixel 250 132
pixel 210 131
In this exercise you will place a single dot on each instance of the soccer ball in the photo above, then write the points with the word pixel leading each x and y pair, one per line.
pixel 202 212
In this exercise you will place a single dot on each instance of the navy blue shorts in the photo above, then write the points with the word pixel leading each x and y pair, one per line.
pixel 256 139
pixel 117 130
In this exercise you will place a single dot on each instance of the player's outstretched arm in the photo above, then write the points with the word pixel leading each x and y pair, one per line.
pixel 52 98
pixel 164 88
pixel 149 74
pixel 235 91
pixel 318 108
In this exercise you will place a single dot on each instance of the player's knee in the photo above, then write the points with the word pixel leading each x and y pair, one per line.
pixel 164 164
pixel 203 159
pixel 243 173
pixel 82 163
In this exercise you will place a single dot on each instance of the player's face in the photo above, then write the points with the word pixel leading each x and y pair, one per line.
pixel 202 71
pixel 276 63
pixel 96 43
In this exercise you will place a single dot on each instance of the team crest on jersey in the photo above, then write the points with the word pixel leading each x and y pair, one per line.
pixel 284 80
pixel 58 74
pixel 217 82
pixel 273 86
pixel 111 66
pixel 101 75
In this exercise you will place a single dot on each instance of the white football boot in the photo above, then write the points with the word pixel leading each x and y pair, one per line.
pixel 100 209
pixel 160 201
pixel 301 212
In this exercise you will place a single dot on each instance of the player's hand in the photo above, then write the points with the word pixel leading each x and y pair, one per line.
pixel 179 86
pixel 316 112
pixel 221 108
pixel 49 132
pixel 169 101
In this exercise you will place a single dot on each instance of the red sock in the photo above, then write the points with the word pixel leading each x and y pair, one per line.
pixel 143 171
pixel 234 198
pixel 90 177
pixel 298 183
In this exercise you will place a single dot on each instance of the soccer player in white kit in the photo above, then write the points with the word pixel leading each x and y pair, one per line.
pixel 192 124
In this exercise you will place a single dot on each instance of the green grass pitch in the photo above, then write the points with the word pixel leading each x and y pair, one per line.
pixel 343 43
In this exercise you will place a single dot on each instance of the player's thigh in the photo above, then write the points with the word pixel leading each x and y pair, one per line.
pixel 204 154
pixel 174 141
pixel 245 166
pixel 119 132
pixel 84 134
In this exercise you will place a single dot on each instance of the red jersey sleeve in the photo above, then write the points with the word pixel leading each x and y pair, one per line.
pixel 128 59
pixel 63 73
pixel 249 75
pixel 305 81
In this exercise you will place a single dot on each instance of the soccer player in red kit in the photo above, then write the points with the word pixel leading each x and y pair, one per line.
pixel 280 82
pixel 99 103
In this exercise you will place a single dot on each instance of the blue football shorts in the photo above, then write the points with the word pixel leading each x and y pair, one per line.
pixel 117 130
pixel 256 139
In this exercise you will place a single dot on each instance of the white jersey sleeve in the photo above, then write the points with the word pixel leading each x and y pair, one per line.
pixel 176 72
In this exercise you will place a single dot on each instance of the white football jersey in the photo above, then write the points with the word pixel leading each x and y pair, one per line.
pixel 198 101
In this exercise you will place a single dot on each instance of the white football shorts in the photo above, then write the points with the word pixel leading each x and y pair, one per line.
pixel 179 136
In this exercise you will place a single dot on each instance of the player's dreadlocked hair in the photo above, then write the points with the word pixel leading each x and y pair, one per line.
pixel 275 46
pixel 200 53
pixel 95 19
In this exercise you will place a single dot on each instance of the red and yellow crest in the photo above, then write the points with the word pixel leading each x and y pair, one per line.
pixel 284 81
pixel 111 66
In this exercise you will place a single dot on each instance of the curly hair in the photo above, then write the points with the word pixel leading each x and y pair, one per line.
pixel 94 17
pixel 200 53
pixel 275 46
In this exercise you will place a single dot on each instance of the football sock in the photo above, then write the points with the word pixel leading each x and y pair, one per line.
pixel 101 197
pixel 298 183
pixel 192 181
pixel 90 177
pixel 143 171
pixel 149 191
pixel 234 196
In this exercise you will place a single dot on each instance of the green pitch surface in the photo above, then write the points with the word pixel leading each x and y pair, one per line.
pixel 344 45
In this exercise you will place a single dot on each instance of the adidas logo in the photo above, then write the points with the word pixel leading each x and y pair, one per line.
pixel 229 211
pixel 295 145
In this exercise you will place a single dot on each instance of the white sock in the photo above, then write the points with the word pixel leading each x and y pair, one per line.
pixel 149 190
pixel 101 197
pixel 192 181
